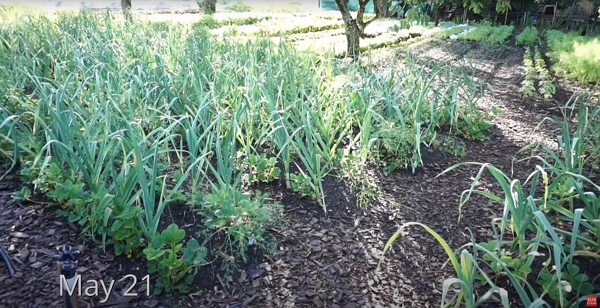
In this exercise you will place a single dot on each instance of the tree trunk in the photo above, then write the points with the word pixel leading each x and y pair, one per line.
pixel 353 40
pixel 126 5
pixel 352 31
pixel 355 28
pixel 209 7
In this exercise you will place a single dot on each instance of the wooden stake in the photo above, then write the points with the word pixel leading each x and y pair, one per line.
pixel 555 12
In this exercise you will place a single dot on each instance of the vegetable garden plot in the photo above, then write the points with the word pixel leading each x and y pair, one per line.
pixel 229 140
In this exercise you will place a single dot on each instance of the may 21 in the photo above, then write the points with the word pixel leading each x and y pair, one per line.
pixel 94 288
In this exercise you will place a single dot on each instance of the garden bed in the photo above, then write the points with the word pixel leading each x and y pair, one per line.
pixel 210 123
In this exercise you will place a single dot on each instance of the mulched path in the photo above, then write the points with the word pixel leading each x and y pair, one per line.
pixel 320 261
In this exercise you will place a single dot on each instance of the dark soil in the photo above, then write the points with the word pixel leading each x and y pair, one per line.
pixel 320 260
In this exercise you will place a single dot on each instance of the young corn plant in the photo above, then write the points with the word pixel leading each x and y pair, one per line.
pixel 525 215
pixel 567 166
pixel 467 270
pixel 518 204
pixel 572 155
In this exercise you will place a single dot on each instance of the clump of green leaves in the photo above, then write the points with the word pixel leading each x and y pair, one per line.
pixel 574 56
pixel 244 218
pixel 479 34
pixel 499 35
pixel 446 33
pixel 489 34
pixel 262 169
pixel 519 265
pixel 309 28
pixel 393 146
pixel 207 21
pixel 528 37
pixel 528 84
pixel 239 7
pixel 546 85
pixel 174 263
pixel 302 184
pixel 353 170
pixel 573 283
pixel 245 21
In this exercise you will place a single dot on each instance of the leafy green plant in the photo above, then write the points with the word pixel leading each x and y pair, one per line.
pixel 302 184
pixel 574 56
pixel 499 35
pixel 308 29
pixel 122 229
pixel 174 262
pixel 519 266
pixel 207 21
pixel 353 170
pixel 393 146
pixel 528 37
pixel 239 7
pixel 546 86
pixel 479 34
pixel 573 281
pixel 446 33
pixel 467 271
pixel 242 217
pixel 528 84
pixel 262 169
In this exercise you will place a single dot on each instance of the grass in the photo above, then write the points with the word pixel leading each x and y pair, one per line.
pixel 116 119
pixel 574 56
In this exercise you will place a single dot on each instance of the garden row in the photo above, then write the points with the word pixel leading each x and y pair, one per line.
pixel 113 121
pixel 573 57
pixel 482 32
pixel 269 26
